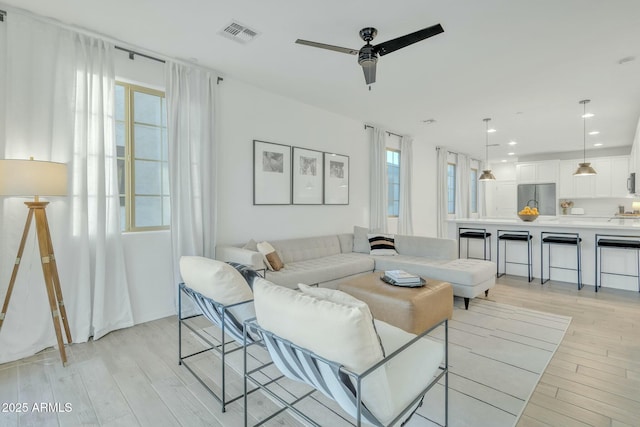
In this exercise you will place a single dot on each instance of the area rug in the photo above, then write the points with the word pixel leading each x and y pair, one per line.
pixel 497 354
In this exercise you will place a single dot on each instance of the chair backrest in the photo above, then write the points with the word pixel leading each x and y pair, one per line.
pixel 312 333
pixel 216 288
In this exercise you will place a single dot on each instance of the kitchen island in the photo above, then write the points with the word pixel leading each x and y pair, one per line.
pixel 564 256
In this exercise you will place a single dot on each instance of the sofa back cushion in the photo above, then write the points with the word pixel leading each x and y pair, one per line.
pixel 292 250
pixel 430 247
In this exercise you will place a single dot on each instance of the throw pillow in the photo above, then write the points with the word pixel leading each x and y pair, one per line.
pixel 360 241
pixel 271 258
pixel 251 245
pixel 382 244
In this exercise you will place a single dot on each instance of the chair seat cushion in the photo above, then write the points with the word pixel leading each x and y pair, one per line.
pixel 474 235
pixel 517 237
pixel 620 243
pixel 562 240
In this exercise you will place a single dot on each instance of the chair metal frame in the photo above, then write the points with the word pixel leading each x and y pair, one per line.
pixel 251 326
pixel 578 243
pixel 219 348
pixel 526 237
pixel 475 233
pixel 620 238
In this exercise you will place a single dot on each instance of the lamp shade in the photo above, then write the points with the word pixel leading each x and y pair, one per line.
pixel 32 178
pixel 584 169
pixel 635 206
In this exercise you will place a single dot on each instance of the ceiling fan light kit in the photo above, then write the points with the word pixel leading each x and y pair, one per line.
pixel 584 168
pixel 368 54
pixel 486 174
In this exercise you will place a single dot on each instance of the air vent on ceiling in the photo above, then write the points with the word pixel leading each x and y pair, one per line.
pixel 238 32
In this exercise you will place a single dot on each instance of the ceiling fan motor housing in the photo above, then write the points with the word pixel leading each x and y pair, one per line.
pixel 367 56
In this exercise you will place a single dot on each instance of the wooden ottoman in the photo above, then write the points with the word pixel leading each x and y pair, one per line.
pixel 413 309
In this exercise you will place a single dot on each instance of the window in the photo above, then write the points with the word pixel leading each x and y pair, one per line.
pixel 473 190
pixel 393 182
pixel 451 188
pixel 142 150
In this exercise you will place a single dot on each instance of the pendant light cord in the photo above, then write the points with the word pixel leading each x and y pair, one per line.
pixel 584 132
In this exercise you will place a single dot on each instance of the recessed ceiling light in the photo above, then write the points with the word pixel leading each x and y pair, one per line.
pixel 504 161
pixel 594 132
pixel 588 115
pixel 512 143
pixel 510 154
pixel 492 130
pixel 598 144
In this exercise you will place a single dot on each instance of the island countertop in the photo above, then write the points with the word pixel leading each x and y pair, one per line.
pixel 602 223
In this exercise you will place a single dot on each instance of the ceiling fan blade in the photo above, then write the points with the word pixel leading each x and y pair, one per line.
pixel 369 73
pixel 404 41
pixel 328 47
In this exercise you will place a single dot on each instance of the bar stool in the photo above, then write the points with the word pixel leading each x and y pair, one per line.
pixel 515 236
pixel 616 241
pixel 552 238
pixel 475 233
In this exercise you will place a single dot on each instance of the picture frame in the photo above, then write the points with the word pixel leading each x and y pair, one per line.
pixel 336 179
pixel 271 173
pixel 308 174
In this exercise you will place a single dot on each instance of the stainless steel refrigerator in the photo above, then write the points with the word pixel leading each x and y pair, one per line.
pixel 542 196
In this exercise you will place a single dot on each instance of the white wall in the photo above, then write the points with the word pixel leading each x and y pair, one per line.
pixel 249 113
pixel 424 188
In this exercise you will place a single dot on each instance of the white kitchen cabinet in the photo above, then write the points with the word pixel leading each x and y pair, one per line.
pixel 537 172
pixel 610 179
pixel 504 201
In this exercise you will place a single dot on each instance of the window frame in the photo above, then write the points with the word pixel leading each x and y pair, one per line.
pixel 452 202
pixel 473 185
pixel 129 159
pixel 395 202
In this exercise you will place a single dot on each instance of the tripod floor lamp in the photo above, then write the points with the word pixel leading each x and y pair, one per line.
pixel 38 178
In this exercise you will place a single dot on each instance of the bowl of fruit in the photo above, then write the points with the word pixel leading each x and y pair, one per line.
pixel 528 214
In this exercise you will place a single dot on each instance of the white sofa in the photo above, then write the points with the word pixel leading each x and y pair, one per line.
pixel 326 260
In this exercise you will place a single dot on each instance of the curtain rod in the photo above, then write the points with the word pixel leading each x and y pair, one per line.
pixel 388 133
pixel 95 34
pixel 132 54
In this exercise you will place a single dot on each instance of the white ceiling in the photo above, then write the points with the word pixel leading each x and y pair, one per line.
pixel 524 63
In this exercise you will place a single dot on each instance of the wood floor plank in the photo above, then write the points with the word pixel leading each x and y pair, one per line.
pixel 132 377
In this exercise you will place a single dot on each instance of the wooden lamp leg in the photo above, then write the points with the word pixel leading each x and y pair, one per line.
pixel 50 271
pixel 14 273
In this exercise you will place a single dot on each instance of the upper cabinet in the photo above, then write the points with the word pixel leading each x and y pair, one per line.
pixel 537 172
pixel 609 181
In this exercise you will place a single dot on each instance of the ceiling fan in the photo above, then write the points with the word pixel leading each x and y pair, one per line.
pixel 368 54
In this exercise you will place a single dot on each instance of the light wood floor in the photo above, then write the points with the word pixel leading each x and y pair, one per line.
pixel 130 377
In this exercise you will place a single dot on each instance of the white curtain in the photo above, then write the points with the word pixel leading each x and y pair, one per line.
pixel 405 220
pixel 59 106
pixel 463 174
pixel 191 95
pixel 378 181
pixel 441 191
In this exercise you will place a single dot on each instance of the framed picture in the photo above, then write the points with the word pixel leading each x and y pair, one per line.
pixel 271 173
pixel 336 179
pixel 307 177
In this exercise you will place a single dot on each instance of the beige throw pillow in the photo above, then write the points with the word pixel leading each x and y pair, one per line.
pixel 271 258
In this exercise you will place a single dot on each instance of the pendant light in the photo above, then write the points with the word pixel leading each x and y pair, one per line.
pixel 486 174
pixel 584 168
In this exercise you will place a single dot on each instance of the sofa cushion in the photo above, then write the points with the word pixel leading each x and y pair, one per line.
pixel 461 271
pixel 319 270
pixel 430 247
pixel 292 250
pixel 346 242
pixel 360 240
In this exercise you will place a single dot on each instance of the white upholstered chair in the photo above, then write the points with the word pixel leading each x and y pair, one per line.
pixel 222 293
pixel 377 373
